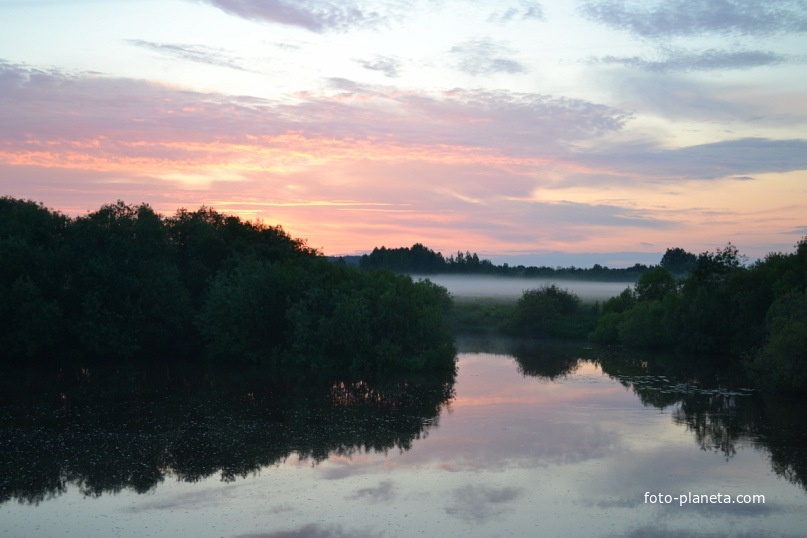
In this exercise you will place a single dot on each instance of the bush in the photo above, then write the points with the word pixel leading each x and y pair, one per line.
pixel 372 321
pixel 643 326
pixel 550 311
pixel 607 329
pixel 781 365
pixel 244 315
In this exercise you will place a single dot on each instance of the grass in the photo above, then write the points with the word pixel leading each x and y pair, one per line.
pixel 482 315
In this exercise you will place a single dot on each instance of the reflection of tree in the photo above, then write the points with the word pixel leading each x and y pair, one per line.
pixel 550 359
pixel 717 421
pixel 545 359
pixel 785 431
pixel 130 429
pixel 705 399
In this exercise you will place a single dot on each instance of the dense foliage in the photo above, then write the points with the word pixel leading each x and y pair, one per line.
pixel 552 312
pixel 124 283
pixel 756 313
pixel 422 260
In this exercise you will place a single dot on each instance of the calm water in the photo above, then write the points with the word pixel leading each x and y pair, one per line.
pixel 545 444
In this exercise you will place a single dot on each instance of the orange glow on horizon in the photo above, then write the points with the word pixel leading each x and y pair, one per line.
pixel 350 195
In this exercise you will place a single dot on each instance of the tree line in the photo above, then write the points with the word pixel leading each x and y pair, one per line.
pixel 124 283
pixel 419 259
pixel 714 305
pixel 755 313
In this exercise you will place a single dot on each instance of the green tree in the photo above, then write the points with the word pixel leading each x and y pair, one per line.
pixel 654 284
pixel 781 364
pixel 32 279
pixel 243 318
pixel 678 261
pixel 643 326
pixel 549 311
pixel 125 294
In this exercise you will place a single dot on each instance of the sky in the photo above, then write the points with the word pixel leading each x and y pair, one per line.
pixel 558 132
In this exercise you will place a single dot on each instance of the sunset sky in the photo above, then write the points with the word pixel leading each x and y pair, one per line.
pixel 558 132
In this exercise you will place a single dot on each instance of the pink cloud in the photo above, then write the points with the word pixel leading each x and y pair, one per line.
pixel 348 168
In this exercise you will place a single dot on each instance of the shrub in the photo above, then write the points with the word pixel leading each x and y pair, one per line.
pixel 550 311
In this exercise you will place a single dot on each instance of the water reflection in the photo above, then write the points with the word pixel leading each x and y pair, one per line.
pixel 711 399
pixel 106 431
pixel 537 440
pixel 536 358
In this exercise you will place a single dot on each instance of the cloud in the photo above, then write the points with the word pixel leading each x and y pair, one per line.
pixel 341 151
pixel 486 57
pixel 386 65
pixel 681 97
pixel 479 504
pixel 314 15
pixel 526 10
pixel 709 60
pixel 666 18
pixel 354 164
pixel 92 117
pixel 192 53
pixel 731 158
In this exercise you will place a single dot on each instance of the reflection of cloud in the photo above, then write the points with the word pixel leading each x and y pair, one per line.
pixel 485 57
pixel 481 503
pixel 655 531
pixel 619 503
pixel 708 510
pixel 197 499
pixel 675 472
pixel 310 531
pixel 384 492
pixel 661 18
pixel 709 60
pixel 501 422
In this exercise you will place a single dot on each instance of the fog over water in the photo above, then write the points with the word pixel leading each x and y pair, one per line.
pixel 493 287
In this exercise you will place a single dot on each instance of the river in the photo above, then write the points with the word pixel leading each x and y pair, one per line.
pixel 529 440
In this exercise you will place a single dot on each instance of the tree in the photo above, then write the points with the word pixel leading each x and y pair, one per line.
pixel 678 261
pixel 32 279
pixel 781 365
pixel 655 284
pixel 548 311
pixel 714 267
pixel 126 293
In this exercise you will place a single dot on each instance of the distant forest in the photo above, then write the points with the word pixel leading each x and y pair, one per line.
pixel 126 284
pixel 421 260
